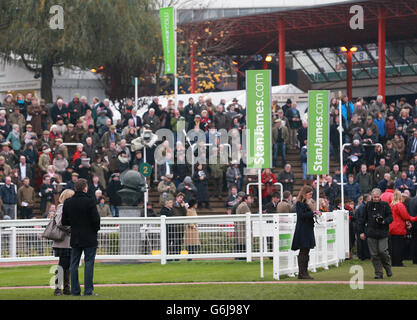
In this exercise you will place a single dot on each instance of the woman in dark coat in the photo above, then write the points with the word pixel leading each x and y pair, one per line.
pixel 304 231
pixel 200 179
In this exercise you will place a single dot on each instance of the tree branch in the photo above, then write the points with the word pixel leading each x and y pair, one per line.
pixel 28 66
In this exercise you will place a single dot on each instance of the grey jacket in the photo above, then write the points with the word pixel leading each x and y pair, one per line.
pixel 58 217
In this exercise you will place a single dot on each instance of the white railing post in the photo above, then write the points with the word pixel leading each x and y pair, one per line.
pixel 325 251
pixel 248 238
pixel 340 235
pixel 281 188
pixel 275 248
pixel 163 240
pixel 291 254
pixel 346 233
pixel 13 241
pixel 1 251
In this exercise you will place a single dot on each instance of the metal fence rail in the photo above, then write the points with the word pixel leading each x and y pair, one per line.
pixel 207 237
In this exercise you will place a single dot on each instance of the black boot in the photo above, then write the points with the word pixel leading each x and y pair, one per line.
pixel 307 276
pixel 57 291
pixel 67 288
pixel 303 267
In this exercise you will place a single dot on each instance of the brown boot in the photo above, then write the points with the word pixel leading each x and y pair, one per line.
pixel 67 288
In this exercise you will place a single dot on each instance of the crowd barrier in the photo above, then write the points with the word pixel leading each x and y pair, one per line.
pixel 206 237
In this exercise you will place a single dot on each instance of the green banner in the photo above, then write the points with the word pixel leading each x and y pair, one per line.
pixel 258 117
pixel 284 242
pixel 331 235
pixel 318 132
pixel 168 38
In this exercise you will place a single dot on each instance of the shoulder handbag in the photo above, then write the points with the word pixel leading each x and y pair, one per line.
pixel 53 232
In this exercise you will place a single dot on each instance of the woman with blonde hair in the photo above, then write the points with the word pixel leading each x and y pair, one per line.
pixel 304 239
pixel 398 229
pixel 62 249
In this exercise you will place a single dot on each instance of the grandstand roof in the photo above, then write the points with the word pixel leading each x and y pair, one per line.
pixel 314 27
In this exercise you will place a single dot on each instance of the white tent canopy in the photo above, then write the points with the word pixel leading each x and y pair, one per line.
pixel 284 90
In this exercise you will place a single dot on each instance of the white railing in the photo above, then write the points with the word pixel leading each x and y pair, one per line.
pixel 206 237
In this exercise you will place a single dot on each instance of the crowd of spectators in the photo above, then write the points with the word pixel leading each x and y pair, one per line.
pixel 47 148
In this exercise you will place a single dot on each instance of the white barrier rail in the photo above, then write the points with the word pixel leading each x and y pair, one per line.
pixel 207 237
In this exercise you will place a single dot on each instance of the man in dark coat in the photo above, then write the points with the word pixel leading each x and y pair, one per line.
pixel 363 250
pixel 80 212
pixel 115 199
pixel 412 209
pixel 377 215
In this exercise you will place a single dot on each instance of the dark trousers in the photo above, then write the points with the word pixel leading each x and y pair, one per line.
pixel 279 148
pixel 26 213
pixel 414 248
pixel 218 186
pixel 65 262
pixel 89 257
pixel 397 250
pixel 175 237
pixel 362 247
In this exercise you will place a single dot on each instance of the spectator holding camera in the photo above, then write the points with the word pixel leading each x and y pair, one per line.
pixel 377 216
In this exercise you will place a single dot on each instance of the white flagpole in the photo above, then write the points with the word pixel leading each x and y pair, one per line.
pixel 261 238
pixel 175 68
pixel 136 93
pixel 318 193
pixel 342 196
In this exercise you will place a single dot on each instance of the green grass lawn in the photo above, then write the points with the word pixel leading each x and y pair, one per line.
pixel 211 271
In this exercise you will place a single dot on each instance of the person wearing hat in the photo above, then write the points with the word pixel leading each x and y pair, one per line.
pixel 75 108
pixel 70 135
pixel 34 112
pixel 112 191
pixel 4 127
pixel 59 147
pixel 167 189
pixel 191 235
pixel 392 156
pixel 217 171
pixel 188 189
pixel 9 155
pixel 29 134
pixel 17 118
pixel 371 124
pixel 91 133
pixel 44 140
pixel 79 130
pixel 110 136
pixel 61 128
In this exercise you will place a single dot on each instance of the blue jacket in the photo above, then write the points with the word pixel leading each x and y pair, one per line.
pixel 381 127
pixel 8 194
pixel 352 191
pixel 344 110
pixel 408 182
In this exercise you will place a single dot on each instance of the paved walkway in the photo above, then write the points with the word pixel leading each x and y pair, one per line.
pixel 409 283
